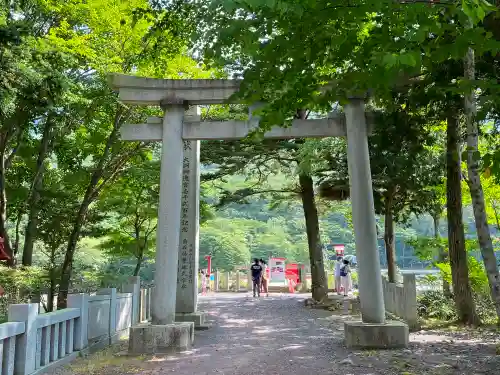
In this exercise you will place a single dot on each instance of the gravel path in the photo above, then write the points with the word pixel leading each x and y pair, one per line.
pixel 275 335
pixel 278 335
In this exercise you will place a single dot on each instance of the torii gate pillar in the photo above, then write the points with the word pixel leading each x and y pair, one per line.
pixel 164 334
pixel 373 331
pixel 187 272
pixel 363 213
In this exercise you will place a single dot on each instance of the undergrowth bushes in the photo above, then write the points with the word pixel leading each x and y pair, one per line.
pixel 434 304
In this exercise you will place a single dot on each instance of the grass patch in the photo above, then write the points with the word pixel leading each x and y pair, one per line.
pixel 454 326
pixel 109 361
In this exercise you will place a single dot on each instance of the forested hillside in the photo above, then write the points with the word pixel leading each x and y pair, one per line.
pixel 259 227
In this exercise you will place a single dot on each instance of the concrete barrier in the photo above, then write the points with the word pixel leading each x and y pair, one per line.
pixel 401 299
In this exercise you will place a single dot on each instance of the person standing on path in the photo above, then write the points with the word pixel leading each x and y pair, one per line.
pixel 264 279
pixel 203 283
pixel 345 275
pixel 338 265
pixel 256 270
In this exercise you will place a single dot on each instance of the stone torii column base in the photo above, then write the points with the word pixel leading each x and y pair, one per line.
pixel 388 335
pixel 147 338
pixel 197 318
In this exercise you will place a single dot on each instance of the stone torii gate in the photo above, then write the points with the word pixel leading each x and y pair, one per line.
pixel 174 304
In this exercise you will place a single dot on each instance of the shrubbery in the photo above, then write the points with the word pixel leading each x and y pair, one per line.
pixel 434 304
pixel 23 284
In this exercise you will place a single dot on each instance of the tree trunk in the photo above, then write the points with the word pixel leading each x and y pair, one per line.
pixel 52 289
pixel 466 308
pixel 3 212
pixel 442 256
pixel 318 278
pixel 476 189
pixel 138 266
pixel 67 267
pixel 140 247
pixel 15 245
pixel 389 240
pixel 34 196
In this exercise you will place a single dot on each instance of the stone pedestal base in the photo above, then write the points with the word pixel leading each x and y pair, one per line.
pixel 198 318
pixel 390 335
pixel 161 339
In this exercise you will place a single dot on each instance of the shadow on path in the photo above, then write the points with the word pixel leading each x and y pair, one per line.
pixel 270 335
pixel 278 335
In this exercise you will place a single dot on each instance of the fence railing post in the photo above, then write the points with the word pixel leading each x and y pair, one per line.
pixel 111 292
pixel 134 287
pixel 227 281
pixel 26 343
pixel 238 278
pixel 142 303
pixel 410 300
pixel 216 281
pixel 80 335
pixel 385 293
pixel 148 303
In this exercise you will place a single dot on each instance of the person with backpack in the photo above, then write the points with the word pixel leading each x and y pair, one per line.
pixel 256 270
pixel 345 276
pixel 338 265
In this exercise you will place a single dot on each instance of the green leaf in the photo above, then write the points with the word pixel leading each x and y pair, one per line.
pixel 467 9
pixel 464 155
pixel 487 6
pixel 389 60
pixel 407 59
pixel 480 13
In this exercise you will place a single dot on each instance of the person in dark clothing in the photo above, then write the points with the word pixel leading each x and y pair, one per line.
pixel 256 269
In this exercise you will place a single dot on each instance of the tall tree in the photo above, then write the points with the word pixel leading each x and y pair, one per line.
pixel 33 81
pixel 474 176
pixel 436 203
pixel 403 168
pixel 54 226
pixel 132 205
pixel 110 38
pixel 456 239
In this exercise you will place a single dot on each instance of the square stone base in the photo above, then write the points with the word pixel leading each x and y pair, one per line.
pixel 161 339
pixel 389 335
pixel 198 318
